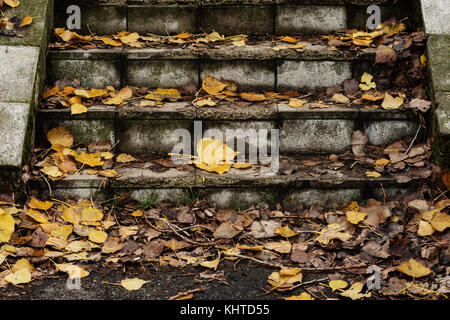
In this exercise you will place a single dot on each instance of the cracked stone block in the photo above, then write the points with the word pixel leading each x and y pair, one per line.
pixel 162 73
pixel 292 19
pixel 325 198
pixel 18 66
pixel 149 136
pixel 307 75
pixel 234 198
pixel 92 73
pixel 248 75
pixel 436 15
pixel 237 19
pixel 162 19
pixel 315 135
pixel 380 132
pixel 13 129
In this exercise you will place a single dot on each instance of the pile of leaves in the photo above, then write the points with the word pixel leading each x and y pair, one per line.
pixel 332 248
pixel 13 26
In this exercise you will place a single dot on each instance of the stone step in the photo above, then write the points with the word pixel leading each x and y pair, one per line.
pixel 252 67
pixel 236 16
pixel 301 130
pixel 239 188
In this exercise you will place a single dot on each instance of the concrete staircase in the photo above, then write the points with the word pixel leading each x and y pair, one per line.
pixel 305 133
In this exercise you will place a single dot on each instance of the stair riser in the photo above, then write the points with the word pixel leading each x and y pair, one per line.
pixel 278 76
pixel 262 18
pixel 237 198
pixel 312 136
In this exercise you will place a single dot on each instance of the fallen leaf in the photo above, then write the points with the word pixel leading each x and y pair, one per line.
pixel 296 103
pixel 212 86
pixel 390 103
pixel 354 292
pixel 133 284
pixel 414 269
pixel 337 284
pixel 19 277
pixel 7 225
pixel 40 205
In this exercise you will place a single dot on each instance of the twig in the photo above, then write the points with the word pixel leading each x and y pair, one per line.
pixel 185 293
pixel 48 184
pixel 256 260
pixel 413 140
pixel 308 282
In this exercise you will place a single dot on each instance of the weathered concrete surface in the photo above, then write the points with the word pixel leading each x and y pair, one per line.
pixel 312 74
pixel 234 198
pixel 237 19
pixel 436 16
pixel 438 49
pixel 380 132
pixel 325 198
pixel 18 67
pixel 248 75
pixel 443 112
pixel 315 136
pixel 161 73
pixel 310 19
pixel 92 73
pixel 162 20
pixel 14 119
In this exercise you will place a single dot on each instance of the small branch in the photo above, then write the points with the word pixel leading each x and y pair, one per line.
pixel 413 140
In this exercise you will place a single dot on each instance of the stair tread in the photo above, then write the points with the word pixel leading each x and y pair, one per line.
pixel 258 51
pixel 296 172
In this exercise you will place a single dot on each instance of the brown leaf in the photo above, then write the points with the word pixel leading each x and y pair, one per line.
pixel 225 231
pixel 153 249
pixel 385 54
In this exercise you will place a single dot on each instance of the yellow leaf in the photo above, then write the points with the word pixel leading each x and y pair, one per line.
pixel 252 96
pixel 114 101
pixel 252 248
pixel 210 264
pixel 73 271
pixel 124 158
pixel 366 82
pixel 60 136
pixel 212 86
pixel 160 94
pixel 425 229
pixel 110 41
pixel 77 109
pixel 184 35
pixel 137 213
pixel 423 60
pixel 111 173
pixel 40 205
pixel 19 277
pixel 373 174
pixel 354 292
pixel 50 92
pixel 288 39
pixel 340 98
pixel 91 159
pixel 214 167
pixel 355 217
pixel 26 21
pixel 90 214
pixel 72 215
pixel 362 42
pixel 37 216
pixel 132 40
pixel 440 221
pixel 333 231
pixel 7 225
pixel 52 172
pixel 390 102
pixel 212 151
pixel 296 103
pixel 281 246
pixel 97 236
pixel 414 269
pixel 373 97
pixel 302 296
pixel 82 93
pixel 241 165
pixel 381 162
pixel 205 102
pixel 285 232
pixel 133 284
pixel 63 232
pixel 22 264
pixel 12 3
pixel 94 93
pixel 337 284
